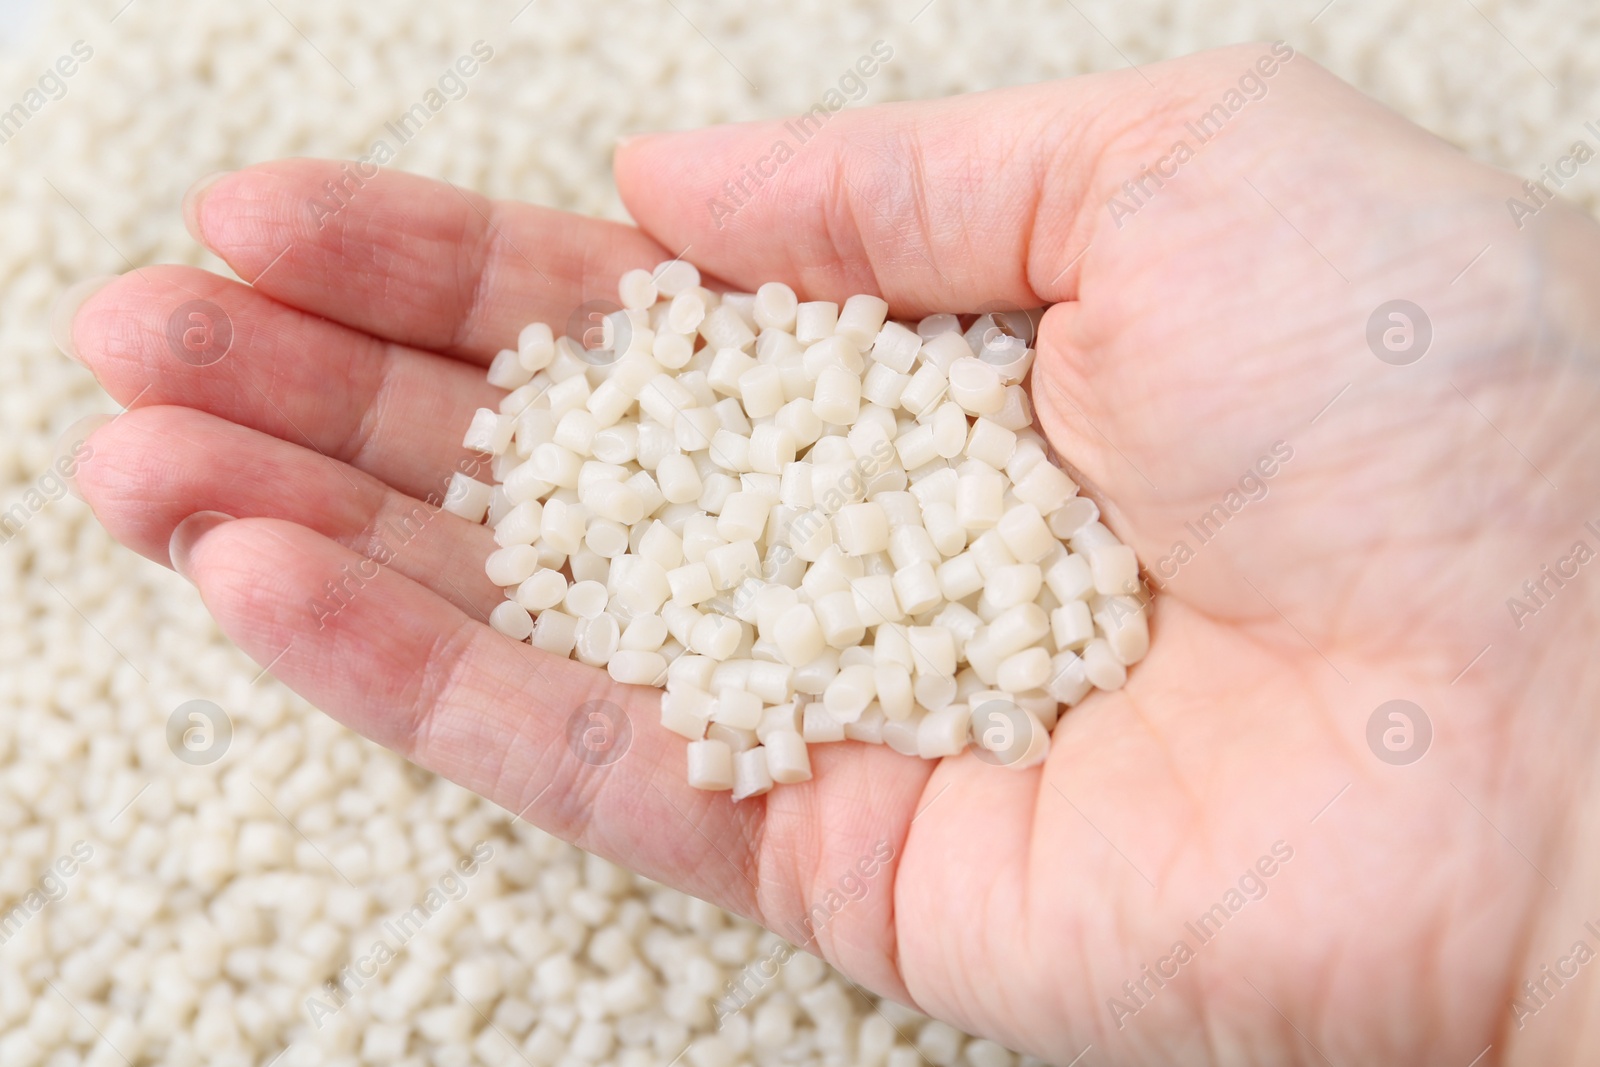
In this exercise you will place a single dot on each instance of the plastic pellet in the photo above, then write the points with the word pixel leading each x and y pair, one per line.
pixel 586 599
pixel 848 695
pixel 837 398
pixel 542 589
pixel 862 528
pixel 637 289
pixel 467 497
pixel 838 618
pixel 1127 631
pixel 710 765
pixel 1021 671
pixel 976 386
pixel 737 709
pixel 799 636
pixel 1114 569
pixel 511 566
pixel 861 318
pixel 555 632
pixel 1071 627
pixel 751 776
pixel 1101 666
pixel 818 726
pixel 715 636
pixel 943 732
pixel 775 307
pixel 787 759
pixel 512 620
pixel 1023 530
pixel 596 639
pixel 634 667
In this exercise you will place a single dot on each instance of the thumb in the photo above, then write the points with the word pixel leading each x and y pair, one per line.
pixel 960 204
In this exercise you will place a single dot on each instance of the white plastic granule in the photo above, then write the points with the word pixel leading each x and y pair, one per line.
pixel 808 522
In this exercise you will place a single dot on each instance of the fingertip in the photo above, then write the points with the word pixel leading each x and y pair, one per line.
pixel 186 537
pixel 72 450
pixel 194 201
pixel 64 312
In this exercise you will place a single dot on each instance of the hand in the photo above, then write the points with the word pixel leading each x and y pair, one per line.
pixel 1207 345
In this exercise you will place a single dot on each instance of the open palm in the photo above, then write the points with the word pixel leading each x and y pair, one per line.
pixel 1330 531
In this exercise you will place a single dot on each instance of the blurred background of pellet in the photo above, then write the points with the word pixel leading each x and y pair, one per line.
pixel 219 897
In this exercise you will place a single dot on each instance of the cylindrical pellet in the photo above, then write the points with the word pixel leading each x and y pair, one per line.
pixel 861 318
pixel 848 695
pixel 775 307
pixel 512 620
pixel 837 398
pixel 1069 678
pixel 787 760
pixel 1114 568
pixel 1071 626
pixel 1101 666
pixel 943 732
pixel 799 635
pixel 1013 584
pixel 917 588
pixel 710 765
pixel 818 726
pixel 679 479
pixel 861 528
pixel 555 632
pixel 586 599
pixel 841 623
pixel 636 667
pixel 815 320
pixel 979 498
pixel 606 538
pixel 597 639
pixel 542 589
pixel 1023 530
pixel 892 686
pixel 751 776
pixel 1072 516
pixel 511 566
pixel 1017 628
pixel 716 636
pixel 1127 631
pixel 1021 671
pixel 976 386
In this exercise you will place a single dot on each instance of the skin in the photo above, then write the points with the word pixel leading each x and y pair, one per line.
pixel 1224 318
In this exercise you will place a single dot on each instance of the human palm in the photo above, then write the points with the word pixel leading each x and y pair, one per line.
pixel 1220 325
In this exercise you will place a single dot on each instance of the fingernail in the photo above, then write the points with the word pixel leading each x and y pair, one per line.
pixel 194 198
pixel 629 139
pixel 187 534
pixel 72 449
pixel 65 309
